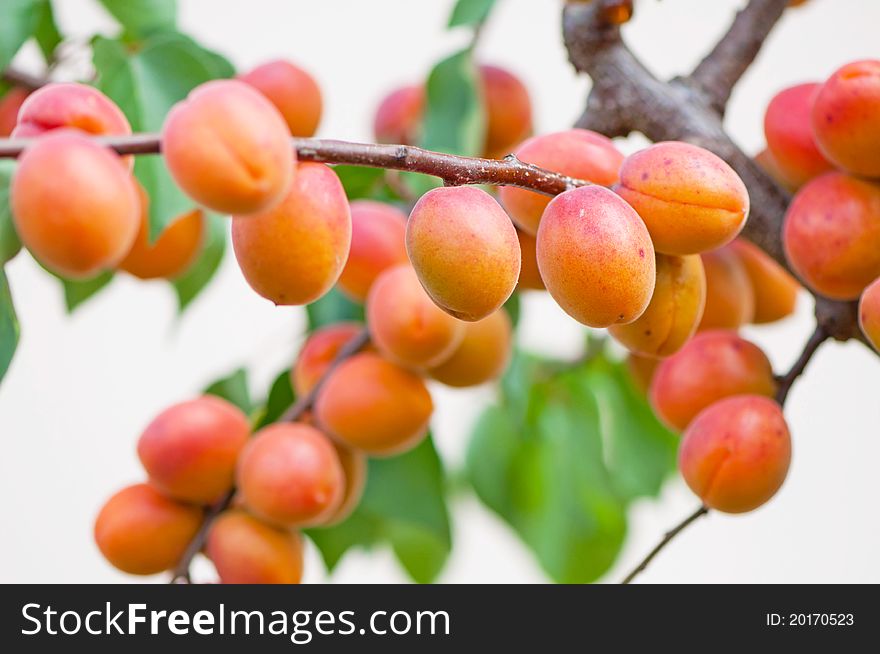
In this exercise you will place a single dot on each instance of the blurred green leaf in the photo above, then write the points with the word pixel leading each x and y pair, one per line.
pixel 454 117
pixel 197 276
pixel 9 242
pixel 512 307
pixel 141 17
pixel 281 397
pixel 333 307
pixel 233 388
pixel 361 182
pixel 76 291
pixel 470 12
pixel 9 330
pixel 18 22
pixel 46 32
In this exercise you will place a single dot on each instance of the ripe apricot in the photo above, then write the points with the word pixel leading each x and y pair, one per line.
pixel 246 550
pixel 768 164
pixel 142 532
pixel 229 148
pixel 292 90
pixel 10 104
pixel 730 297
pixel 641 370
pixel 508 110
pixel 318 353
pixel 832 235
pixel 735 454
pixel 405 324
pixel 529 275
pixel 869 313
pixel 789 133
pixel 74 204
pixel 464 250
pixel 712 365
pixel 190 449
pixel 482 355
pixel 846 118
pixel 294 252
pixel 354 466
pixel 689 198
pixel 596 257
pixel 378 242
pixel 578 153
pixel 80 106
pixel 374 406
pixel 399 116
pixel 674 312
pixel 775 291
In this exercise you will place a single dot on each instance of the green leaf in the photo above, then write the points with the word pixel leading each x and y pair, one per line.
pixel 470 12
pixel 281 397
pixel 512 307
pixel 197 276
pixel 18 22
pixel 9 242
pixel 9 330
pixel 141 17
pixel 361 182
pixel 454 117
pixel 46 32
pixel 233 388
pixel 76 292
pixel 333 307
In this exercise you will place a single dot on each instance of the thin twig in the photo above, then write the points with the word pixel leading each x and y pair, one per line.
pixel 672 533
pixel 24 80
pixel 786 381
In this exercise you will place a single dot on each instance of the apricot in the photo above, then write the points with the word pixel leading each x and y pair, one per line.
pixel 846 118
pixel 464 250
pixel 832 235
pixel 190 449
pixel 508 110
pixel 80 106
pixel 399 116
pixel 578 153
pixel 730 296
pixel 713 365
pixel 529 275
pixel 378 242
pixel 354 466
pixel 596 257
pixel 246 550
pixel 768 164
pixel 641 370
pixel 374 406
pixel 290 475
pixel 10 104
pixel 405 324
pixel 292 90
pixel 482 355
pixel 142 532
pixel 229 148
pixel 869 313
pixel 74 204
pixel 295 252
pixel 674 312
pixel 774 290
pixel 789 133
pixel 689 198
pixel 736 453
pixel 318 353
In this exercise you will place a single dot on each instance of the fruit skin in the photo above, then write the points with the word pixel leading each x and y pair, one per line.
pixel 229 148
pixel 482 355
pixel 10 104
pixel 736 453
pixel 508 110
pixel 641 370
pixel 768 164
pixel 295 252
pixel 354 466
pixel 246 550
pixel 831 235
pixel 578 153
pixel 374 406
pixel 713 365
pixel 289 475
pixel 378 242
pixel 846 118
pixel 529 275
pixel 399 116
pixel 78 106
pixel 292 90
pixel 464 250
pixel 789 132
pixel 596 257
pixel 318 353
pixel 405 324
pixel 689 198
pixel 190 449
pixel 674 312
pixel 730 297
pixel 869 313
pixel 775 291
pixel 74 204
pixel 142 532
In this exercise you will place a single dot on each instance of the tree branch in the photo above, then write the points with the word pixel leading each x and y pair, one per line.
pixel 22 79
pixel 786 381
pixel 667 538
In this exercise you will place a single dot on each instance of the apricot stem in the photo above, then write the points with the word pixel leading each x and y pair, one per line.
pixel 667 537
pixel 786 381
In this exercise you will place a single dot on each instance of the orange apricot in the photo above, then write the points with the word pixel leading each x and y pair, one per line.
pixel 292 90
pixel 774 290
pixel 399 116
pixel 482 355
pixel 869 313
pixel 319 351
pixel 354 466
pixel 768 164
pixel 529 275
pixel 10 104
pixel 508 110
pixel 79 106
pixel 730 296
pixel 641 370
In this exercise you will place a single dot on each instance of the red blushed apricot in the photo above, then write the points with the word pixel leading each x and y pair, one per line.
pixel 711 366
pixel 846 118
pixel 295 252
pixel 354 465
pixel 80 106
pixel 641 370
pixel 789 133
pixel 735 455
pixel 190 449
pixel 768 164
pixel 229 148
pixel 689 198
pixel 508 110
pixel 292 90
pixel 529 275
pixel 378 242
pixel 405 324
pixel 832 235
pixel 245 550
pixel 464 250
pixel 775 291
pixel 75 205
pixel 399 116
pixel 318 353
pixel 374 406
pixel 730 297
pixel 10 104
pixel 481 356
pixel 869 313
pixel 578 153
pixel 142 532
pixel 596 257
pixel 290 475
pixel 674 312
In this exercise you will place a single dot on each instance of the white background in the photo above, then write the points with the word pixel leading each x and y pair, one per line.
pixel 81 388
